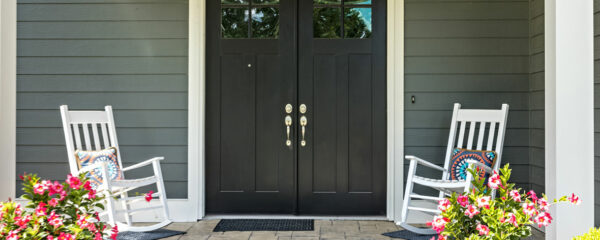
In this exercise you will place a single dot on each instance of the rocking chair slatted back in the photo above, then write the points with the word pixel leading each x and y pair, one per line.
pixel 481 120
pixel 78 123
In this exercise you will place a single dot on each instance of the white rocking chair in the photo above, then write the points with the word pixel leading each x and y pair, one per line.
pixel 487 119
pixel 75 122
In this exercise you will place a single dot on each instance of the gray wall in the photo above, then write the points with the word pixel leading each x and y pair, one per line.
pixel 536 97
pixel 129 54
pixel 474 52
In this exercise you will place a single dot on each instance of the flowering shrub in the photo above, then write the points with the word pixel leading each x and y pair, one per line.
pixel 593 234
pixel 475 215
pixel 55 211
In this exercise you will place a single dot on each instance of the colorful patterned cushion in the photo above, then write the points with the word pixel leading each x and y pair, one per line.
pixel 86 158
pixel 461 156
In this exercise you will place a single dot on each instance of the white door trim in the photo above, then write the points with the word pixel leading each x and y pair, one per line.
pixel 395 107
pixel 8 98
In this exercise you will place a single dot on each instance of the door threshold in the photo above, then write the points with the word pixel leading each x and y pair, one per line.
pixel 291 216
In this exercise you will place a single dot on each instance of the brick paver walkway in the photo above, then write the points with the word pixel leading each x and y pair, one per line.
pixel 324 229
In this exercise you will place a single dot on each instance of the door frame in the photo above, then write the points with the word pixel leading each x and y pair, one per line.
pixel 395 107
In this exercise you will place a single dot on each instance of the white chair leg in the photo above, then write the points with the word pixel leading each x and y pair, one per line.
pixel 110 204
pixel 125 205
pixel 161 188
pixel 409 188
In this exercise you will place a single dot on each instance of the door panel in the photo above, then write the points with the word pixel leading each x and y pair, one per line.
pixel 250 78
pixel 341 170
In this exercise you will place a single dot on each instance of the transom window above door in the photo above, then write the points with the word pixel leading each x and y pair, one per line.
pixel 342 19
pixel 249 18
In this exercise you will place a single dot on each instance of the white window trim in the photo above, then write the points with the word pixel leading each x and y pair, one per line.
pixel 8 97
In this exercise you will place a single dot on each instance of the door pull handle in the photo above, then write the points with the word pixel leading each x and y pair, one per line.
pixel 303 123
pixel 288 125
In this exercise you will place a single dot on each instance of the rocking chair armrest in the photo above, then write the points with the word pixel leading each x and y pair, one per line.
pixel 424 163
pixel 480 165
pixel 144 163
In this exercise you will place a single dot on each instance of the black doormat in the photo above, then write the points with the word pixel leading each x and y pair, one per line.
pixel 405 234
pixel 151 235
pixel 226 225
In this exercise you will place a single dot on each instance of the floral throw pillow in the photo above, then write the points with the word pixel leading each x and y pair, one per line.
pixel 109 155
pixel 459 163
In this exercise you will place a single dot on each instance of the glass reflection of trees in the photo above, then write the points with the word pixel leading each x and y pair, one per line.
pixel 327 19
pixel 235 22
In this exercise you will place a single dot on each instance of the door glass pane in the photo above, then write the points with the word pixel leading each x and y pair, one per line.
pixel 234 22
pixel 327 22
pixel 327 1
pixel 357 2
pixel 357 22
pixel 265 1
pixel 265 22
pixel 234 1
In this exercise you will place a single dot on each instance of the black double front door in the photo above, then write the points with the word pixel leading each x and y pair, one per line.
pixel 296 107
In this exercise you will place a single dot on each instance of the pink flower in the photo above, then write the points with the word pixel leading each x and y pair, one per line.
pixel 40 187
pixel 41 209
pixel 516 196
pixel 484 202
pixel 74 182
pixel 82 221
pixel 63 195
pixel 91 194
pixel 55 220
pixel 471 211
pixel 22 221
pixel 494 181
pixel 529 209
pixel 443 204
pixel 148 196
pixel 87 185
pixel 441 237
pixel 510 218
pixel 483 229
pixel 463 200
pixel 53 202
pixel 115 232
pixel 543 204
pixel 531 194
pixel 574 199
pixel 65 236
pixel 12 235
pixel 56 187
pixel 98 236
pixel 439 223
pixel 18 209
pixel 543 219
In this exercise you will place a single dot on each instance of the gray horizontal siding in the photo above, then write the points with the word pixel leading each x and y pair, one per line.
pixel 131 54
pixel 472 52
pixel 537 95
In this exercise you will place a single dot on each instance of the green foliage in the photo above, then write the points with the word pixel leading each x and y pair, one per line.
pixel 475 215
pixel 593 234
pixel 54 211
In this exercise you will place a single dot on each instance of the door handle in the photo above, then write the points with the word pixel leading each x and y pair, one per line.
pixel 303 123
pixel 288 124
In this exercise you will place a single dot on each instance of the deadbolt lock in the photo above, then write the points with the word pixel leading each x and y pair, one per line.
pixel 303 108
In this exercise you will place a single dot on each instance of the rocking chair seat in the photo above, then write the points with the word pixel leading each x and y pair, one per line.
pixel 430 182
